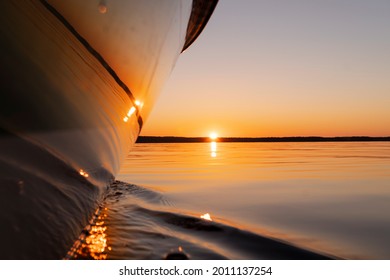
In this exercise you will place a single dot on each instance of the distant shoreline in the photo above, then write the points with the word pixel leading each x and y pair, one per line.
pixel 174 139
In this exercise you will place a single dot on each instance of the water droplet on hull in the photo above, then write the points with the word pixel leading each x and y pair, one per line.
pixel 102 7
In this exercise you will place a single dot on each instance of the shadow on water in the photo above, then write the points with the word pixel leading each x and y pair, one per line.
pixel 44 202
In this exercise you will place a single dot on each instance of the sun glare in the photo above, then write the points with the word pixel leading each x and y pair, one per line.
pixel 213 136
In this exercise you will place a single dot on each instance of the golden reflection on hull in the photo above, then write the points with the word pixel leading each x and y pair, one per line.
pixel 206 216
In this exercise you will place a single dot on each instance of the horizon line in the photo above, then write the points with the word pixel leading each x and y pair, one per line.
pixel 191 139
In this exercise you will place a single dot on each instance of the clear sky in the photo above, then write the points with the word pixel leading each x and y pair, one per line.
pixel 282 68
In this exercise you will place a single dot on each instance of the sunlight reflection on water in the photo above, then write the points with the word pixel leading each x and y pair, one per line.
pixel 333 196
pixel 213 148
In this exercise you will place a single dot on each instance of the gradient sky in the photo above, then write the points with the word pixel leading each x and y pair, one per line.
pixel 282 68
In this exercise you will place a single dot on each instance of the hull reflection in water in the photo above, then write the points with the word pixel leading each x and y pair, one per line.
pixel 78 79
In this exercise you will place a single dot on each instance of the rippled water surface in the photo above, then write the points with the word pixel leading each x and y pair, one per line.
pixel 328 198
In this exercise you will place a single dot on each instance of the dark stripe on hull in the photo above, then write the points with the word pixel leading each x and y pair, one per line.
pixel 97 55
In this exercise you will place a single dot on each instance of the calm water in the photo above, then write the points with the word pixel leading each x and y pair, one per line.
pixel 331 198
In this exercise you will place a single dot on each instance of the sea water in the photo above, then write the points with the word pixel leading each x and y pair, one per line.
pixel 265 201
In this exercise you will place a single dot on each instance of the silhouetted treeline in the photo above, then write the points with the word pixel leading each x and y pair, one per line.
pixel 173 139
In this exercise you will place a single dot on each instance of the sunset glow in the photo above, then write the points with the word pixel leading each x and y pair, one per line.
pixel 305 75
pixel 213 136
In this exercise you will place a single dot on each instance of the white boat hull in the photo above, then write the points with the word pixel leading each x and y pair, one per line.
pixel 78 80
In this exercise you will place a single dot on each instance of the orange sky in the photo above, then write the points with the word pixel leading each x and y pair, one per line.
pixel 282 68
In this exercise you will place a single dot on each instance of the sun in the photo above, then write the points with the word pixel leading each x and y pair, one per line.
pixel 213 136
